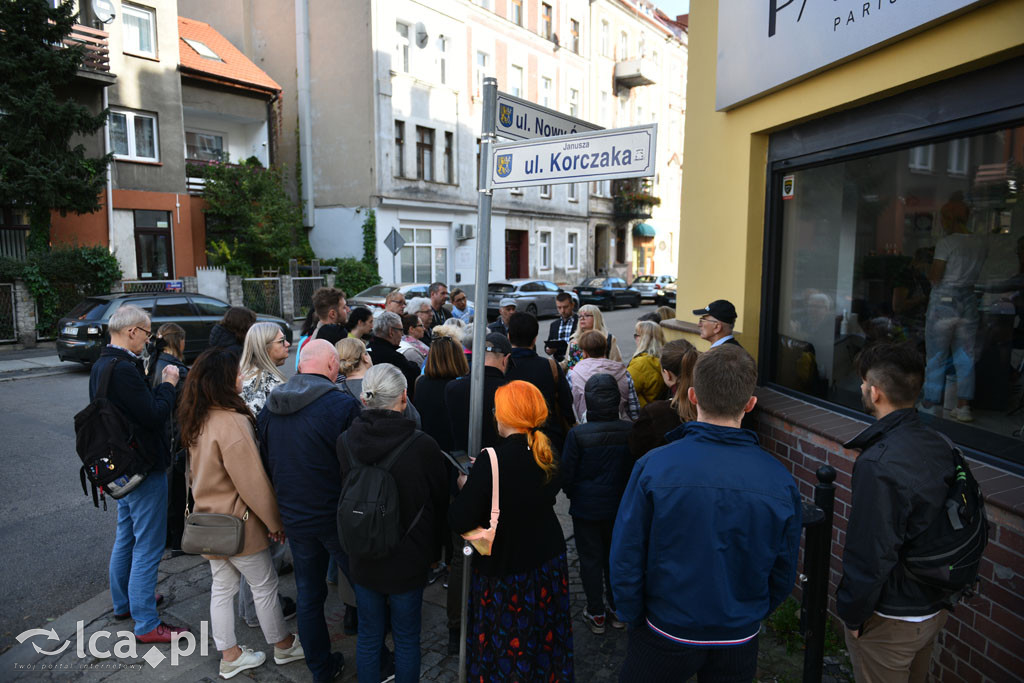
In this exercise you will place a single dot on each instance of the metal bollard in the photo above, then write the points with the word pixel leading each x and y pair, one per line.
pixel 817 554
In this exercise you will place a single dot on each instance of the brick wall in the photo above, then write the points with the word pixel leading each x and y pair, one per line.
pixel 984 638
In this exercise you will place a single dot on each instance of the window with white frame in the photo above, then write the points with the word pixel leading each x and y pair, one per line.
pixel 205 145
pixel 483 61
pixel 416 257
pixel 643 47
pixel 623 111
pixel 545 20
pixel 133 135
pixel 572 251
pixel 545 250
pixel 139 30
pixel 573 192
pixel 574 102
pixel 922 158
pixel 442 47
pixel 623 46
pixel 517 12
pixel 545 192
pixel 959 152
pixel 605 40
pixel 545 92
pixel 604 108
pixel 516 190
pixel 399 169
pixel 574 36
pixel 515 81
pixel 401 47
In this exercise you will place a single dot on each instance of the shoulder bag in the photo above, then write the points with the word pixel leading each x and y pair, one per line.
pixel 210 533
pixel 483 539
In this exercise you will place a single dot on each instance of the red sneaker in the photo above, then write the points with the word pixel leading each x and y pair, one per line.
pixel 163 633
pixel 124 615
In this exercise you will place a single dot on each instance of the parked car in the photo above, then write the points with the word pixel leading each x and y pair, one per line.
pixel 82 333
pixel 607 292
pixel 536 297
pixel 649 285
pixel 666 296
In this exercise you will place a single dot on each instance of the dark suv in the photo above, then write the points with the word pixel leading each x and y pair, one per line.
pixel 82 333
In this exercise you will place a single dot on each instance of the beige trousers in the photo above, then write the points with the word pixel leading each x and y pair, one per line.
pixel 258 570
pixel 890 650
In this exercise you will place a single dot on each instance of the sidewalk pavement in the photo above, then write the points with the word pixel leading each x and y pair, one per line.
pixel 39 361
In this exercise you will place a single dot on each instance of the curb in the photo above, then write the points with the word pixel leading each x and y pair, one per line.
pixel 14 375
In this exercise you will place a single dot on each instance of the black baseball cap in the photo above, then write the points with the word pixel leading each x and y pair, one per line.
pixel 720 310
pixel 498 343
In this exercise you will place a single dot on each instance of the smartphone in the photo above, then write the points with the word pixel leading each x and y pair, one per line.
pixel 459 461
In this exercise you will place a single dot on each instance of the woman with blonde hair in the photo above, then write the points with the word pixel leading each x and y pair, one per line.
pixel 590 319
pixel 264 352
pixel 658 418
pixel 354 360
pixel 519 618
pixel 644 367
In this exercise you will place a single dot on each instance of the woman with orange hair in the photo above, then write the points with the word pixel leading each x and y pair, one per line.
pixel 518 623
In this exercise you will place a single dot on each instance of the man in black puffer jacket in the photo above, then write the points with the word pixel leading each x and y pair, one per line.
pixel 595 468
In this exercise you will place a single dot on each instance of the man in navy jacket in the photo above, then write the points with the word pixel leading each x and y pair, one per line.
pixel 705 542
pixel 298 432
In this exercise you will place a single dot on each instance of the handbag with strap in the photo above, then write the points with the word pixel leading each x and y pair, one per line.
pixel 211 533
pixel 483 539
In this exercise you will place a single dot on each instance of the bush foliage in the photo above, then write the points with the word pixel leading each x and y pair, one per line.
pixel 353 275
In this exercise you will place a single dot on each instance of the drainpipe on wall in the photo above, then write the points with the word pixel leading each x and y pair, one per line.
pixel 110 178
pixel 302 62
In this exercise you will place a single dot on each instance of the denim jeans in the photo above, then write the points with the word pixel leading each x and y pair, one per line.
pixel 950 331
pixel 138 547
pixel 310 555
pixel 406 609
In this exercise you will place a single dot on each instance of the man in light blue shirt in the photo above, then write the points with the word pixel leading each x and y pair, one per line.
pixel 461 308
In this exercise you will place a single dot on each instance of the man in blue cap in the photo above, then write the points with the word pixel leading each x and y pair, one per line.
pixel 716 321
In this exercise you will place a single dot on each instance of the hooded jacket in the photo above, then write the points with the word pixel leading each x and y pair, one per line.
pixel 706 538
pixel 900 483
pixel 596 463
pixel 298 431
pixel 594 366
pixel 422 482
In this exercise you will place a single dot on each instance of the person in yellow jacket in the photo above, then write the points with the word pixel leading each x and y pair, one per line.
pixel 645 366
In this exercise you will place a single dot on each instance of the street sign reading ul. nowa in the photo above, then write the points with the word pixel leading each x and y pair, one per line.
pixel 518 119
pixel 601 155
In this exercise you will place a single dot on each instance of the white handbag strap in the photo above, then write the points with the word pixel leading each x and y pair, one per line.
pixel 495 508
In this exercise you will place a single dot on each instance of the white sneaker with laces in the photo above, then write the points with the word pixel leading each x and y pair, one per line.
pixel 595 622
pixel 292 654
pixel 962 414
pixel 248 660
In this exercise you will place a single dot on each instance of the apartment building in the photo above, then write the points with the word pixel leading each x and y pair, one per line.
pixel 391 93
pixel 174 89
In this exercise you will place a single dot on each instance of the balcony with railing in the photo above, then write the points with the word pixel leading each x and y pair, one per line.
pixel 96 54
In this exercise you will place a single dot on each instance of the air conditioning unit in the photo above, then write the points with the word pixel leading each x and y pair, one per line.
pixel 464 231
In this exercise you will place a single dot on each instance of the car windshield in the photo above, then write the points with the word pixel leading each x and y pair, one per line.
pixel 90 309
pixel 500 288
pixel 377 290
pixel 592 282
pixel 645 278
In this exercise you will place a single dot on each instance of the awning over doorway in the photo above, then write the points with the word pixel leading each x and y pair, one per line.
pixel 643 230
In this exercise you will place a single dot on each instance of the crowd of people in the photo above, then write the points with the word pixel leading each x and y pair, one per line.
pixel 687 531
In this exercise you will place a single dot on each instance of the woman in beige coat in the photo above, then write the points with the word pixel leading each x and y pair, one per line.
pixel 228 478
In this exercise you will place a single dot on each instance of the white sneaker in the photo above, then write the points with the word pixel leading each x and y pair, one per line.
pixel 934 409
pixel 962 414
pixel 292 654
pixel 248 660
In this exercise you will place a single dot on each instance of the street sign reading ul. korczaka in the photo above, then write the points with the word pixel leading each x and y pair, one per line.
pixel 601 155
pixel 519 119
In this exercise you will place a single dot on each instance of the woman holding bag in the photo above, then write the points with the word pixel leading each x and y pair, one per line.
pixel 518 618
pixel 227 477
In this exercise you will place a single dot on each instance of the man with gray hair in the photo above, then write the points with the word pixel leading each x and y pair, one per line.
pixel 142 513
pixel 383 348
pixel 298 429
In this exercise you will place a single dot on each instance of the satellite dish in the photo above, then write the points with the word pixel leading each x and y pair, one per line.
pixel 104 11
pixel 421 35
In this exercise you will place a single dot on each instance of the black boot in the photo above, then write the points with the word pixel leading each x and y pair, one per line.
pixel 351 623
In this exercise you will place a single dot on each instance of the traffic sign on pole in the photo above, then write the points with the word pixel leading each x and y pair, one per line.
pixel 394 241
pixel 519 119
pixel 602 155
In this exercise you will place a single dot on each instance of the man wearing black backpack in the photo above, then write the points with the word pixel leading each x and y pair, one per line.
pixel 900 484
pixel 142 513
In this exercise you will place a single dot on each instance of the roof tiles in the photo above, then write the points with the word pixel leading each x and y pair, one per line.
pixel 233 66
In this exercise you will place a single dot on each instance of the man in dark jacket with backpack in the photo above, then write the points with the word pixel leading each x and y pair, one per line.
pixel 900 484
pixel 595 467
pixel 142 513
pixel 543 373
pixel 298 429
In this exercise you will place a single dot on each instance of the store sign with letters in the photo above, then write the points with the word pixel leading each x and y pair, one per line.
pixel 766 44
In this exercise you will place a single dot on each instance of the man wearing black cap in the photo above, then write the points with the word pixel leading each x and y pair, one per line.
pixel 716 321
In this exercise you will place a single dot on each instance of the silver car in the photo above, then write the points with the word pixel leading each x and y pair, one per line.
pixel 536 297
pixel 649 285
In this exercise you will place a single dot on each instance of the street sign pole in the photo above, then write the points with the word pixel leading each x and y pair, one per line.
pixel 476 375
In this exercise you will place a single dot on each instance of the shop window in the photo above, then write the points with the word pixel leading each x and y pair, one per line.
pixel 153 245
pixel 205 146
pixel 424 153
pixel 871 251
pixel 133 135
pixel 138 30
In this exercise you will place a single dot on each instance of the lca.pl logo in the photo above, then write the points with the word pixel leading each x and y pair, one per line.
pixel 126 646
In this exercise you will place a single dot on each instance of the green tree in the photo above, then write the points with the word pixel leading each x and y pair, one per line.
pixel 251 221
pixel 38 165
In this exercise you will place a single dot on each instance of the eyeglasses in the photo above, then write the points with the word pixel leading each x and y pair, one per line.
pixel 586 315
pixel 149 333
pixel 396 329
pixel 706 320
pixel 282 341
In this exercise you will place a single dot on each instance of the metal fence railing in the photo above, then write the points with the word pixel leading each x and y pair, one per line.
pixel 302 293
pixel 263 295
pixel 8 326
pixel 133 286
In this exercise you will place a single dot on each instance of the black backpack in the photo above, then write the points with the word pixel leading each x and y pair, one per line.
pixel 947 555
pixel 106 443
pixel 369 524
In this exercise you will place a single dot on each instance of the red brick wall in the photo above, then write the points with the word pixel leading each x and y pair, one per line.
pixel 984 638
